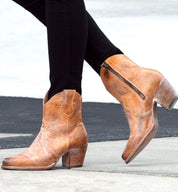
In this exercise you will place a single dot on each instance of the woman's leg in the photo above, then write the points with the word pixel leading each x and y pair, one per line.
pixel 67 28
pixel 99 47
pixel 62 133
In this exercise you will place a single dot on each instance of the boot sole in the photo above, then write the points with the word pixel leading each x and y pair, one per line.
pixel 28 168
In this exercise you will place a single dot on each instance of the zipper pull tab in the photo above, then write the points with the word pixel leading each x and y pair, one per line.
pixel 105 65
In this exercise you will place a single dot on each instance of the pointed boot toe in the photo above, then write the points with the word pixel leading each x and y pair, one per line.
pixel 14 162
pixel 6 162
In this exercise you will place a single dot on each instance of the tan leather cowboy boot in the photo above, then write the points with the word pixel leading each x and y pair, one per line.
pixel 62 134
pixel 138 90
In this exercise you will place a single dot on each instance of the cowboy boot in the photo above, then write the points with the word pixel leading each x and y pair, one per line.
pixel 62 134
pixel 138 90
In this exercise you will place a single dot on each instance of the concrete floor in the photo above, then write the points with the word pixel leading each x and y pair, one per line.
pixel 155 169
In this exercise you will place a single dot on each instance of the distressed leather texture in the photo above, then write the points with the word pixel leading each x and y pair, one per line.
pixel 62 130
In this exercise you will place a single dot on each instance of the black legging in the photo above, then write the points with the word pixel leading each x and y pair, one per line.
pixel 72 37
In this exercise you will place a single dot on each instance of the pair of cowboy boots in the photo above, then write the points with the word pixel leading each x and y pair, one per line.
pixel 63 133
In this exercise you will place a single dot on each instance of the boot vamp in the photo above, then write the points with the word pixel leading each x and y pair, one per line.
pixel 40 153
pixel 25 160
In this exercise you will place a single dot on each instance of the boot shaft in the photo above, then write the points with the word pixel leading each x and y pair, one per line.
pixel 63 110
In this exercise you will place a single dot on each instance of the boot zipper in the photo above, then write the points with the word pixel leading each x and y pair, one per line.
pixel 109 68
